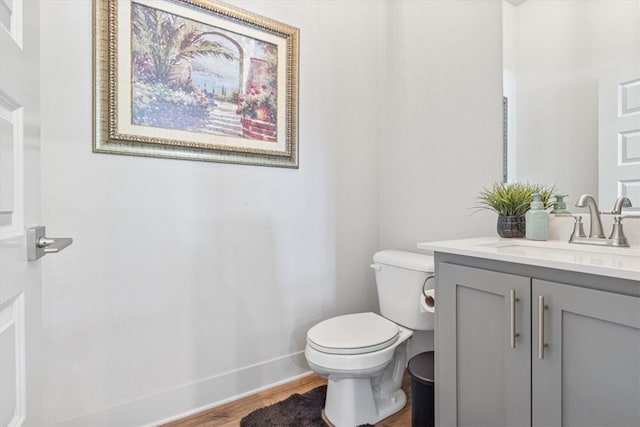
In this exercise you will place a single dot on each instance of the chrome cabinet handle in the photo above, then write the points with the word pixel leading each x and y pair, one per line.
pixel 38 245
pixel 541 344
pixel 512 315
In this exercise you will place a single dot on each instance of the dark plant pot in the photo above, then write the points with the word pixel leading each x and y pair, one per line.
pixel 511 226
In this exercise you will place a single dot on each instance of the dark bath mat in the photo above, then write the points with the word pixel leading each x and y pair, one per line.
pixel 297 410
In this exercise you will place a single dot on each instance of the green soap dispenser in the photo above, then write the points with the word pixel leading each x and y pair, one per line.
pixel 559 206
pixel 537 220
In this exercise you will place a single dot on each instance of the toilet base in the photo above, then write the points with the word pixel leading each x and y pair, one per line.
pixel 390 405
pixel 351 402
pixel 326 420
pixel 386 409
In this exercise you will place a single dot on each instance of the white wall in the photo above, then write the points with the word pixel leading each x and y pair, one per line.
pixel 189 283
pixel 443 135
pixel 510 83
pixel 183 275
pixel 562 47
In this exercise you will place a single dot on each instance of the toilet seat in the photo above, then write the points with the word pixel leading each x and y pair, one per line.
pixel 353 334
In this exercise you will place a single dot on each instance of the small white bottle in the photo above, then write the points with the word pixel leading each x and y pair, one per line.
pixel 537 220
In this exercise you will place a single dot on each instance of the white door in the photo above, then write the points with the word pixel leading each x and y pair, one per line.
pixel 619 136
pixel 20 313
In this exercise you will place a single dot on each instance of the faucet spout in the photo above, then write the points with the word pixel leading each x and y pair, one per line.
pixel 595 226
pixel 621 202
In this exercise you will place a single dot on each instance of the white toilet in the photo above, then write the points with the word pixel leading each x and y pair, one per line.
pixel 364 355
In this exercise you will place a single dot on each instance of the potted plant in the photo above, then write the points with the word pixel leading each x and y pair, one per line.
pixel 511 202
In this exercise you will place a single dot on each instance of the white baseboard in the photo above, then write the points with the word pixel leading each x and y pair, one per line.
pixel 192 398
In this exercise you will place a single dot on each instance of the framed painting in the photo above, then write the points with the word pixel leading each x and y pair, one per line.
pixel 196 80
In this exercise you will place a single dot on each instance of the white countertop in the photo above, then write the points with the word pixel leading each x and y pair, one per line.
pixel 623 263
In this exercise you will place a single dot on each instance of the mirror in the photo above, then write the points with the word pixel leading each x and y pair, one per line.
pixel 564 63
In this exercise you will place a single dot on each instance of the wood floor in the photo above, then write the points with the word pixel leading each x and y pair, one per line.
pixel 230 414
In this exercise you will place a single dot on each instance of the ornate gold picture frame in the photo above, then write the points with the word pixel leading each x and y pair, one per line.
pixel 196 80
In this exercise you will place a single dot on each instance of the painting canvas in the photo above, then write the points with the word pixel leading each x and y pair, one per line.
pixel 195 80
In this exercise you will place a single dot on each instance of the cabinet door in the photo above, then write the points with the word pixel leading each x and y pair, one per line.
pixel 590 373
pixel 481 379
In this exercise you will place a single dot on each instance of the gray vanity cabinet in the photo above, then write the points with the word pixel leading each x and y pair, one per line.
pixel 486 381
pixel 590 373
pixel 581 369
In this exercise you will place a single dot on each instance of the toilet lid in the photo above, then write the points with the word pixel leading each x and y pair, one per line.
pixel 353 334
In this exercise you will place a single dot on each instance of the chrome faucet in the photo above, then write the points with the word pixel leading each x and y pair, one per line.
pixel 596 233
pixel 595 226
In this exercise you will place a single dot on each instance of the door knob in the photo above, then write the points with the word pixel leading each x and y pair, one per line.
pixel 38 245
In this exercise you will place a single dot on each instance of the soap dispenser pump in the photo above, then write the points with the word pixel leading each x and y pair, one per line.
pixel 537 220
pixel 559 206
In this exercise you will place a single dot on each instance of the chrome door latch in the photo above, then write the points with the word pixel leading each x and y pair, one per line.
pixel 38 245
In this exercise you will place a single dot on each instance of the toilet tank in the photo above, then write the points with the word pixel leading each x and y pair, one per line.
pixel 400 276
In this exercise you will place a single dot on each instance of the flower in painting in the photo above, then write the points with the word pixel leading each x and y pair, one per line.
pixel 256 99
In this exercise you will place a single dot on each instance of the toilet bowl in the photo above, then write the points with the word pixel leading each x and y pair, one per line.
pixel 364 355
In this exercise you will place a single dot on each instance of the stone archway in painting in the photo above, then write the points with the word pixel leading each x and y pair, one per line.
pixel 204 71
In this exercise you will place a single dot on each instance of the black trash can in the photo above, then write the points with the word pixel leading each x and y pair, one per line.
pixel 421 371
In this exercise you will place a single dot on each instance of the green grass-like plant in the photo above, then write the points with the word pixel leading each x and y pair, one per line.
pixel 513 199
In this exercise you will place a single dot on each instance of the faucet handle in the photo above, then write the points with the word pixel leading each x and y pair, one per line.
pixel 578 229
pixel 617 236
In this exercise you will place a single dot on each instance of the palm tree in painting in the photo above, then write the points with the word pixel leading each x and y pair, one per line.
pixel 163 44
pixel 163 48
